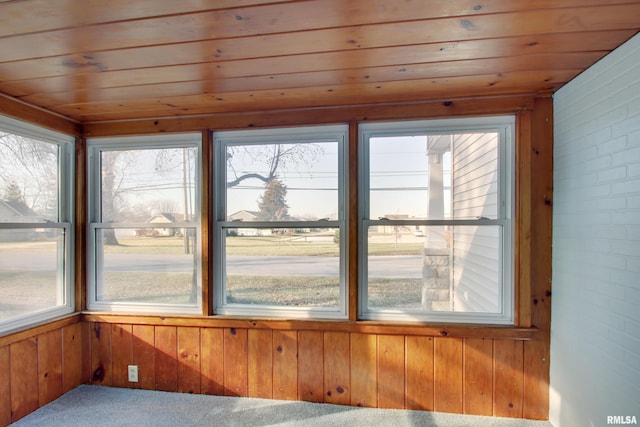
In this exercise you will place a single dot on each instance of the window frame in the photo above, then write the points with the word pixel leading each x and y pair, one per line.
pixel 95 146
pixel 66 205
pixel 505 125
pixel 318 133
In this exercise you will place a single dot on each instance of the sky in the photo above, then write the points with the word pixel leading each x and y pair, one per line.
pixel 398 170
pixel 399 178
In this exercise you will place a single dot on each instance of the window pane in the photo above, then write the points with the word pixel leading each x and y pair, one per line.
pixel 398 170
pixel 283 267
pixel 282 182
pixel 31 274
pixel 434 176
pixel 154 186
pixel 395 267
pixel 152 265
pixel 28 179
pixel 411 269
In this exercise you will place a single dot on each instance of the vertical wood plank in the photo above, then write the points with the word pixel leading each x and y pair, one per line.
pixel 5 386
pixel 235 362
pixel 144 355
pixel 49 366
pixel 212 367
pixel 536 352
pixel 336 368
pixel 478 376
pixel 101 353
pixel 364 365
pixel 72 357
pixel 447 354
pixel 535 403
pixel 542 214
pixel 522 247
pixel 508 378
pixel 285 365
pixel 80 229
pixel 121 354
pixel 189 360
pixel 391 370
pixel 419 365
pixel 260 363
pixel 166 358
pixel 311 366
pixel 206 253
pixel 24 377
pixel 86 332
pixel 352 284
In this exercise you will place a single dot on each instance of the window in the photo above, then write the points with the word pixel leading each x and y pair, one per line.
pixel 280 222
pixel 436 220
pixel 36 234
pixel 144 215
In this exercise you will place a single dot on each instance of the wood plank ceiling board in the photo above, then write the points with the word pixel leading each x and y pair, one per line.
pixel 94 61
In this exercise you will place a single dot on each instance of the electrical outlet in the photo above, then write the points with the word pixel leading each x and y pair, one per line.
pixel 133 373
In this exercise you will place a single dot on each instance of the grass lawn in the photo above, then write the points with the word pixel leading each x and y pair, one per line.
pixel 24 292
pixel 289 245
pixel 148 287
pixel 318 291
pixel 147 245
pixel 297 245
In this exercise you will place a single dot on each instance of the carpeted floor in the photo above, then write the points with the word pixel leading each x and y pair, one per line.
pixel 88 406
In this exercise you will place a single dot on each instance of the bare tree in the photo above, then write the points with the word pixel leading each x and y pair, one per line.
pixel 31 166
pixel 272 156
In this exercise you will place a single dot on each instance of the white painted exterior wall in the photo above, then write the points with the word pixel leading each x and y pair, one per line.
pixel 595 328
pixel 475 262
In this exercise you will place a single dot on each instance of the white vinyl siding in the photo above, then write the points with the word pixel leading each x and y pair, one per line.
pixel 475 250
pixel 475 182
pixel 476 269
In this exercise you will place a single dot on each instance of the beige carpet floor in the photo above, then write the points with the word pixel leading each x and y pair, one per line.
pixel 88 406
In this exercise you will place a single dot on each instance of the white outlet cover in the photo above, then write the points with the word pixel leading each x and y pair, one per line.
pixel 133 373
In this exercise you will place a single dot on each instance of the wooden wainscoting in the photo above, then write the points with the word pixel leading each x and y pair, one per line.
pixel 38 366
pixel 472 375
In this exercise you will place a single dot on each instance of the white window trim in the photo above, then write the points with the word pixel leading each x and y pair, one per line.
pixel 338 133
pixel 66 156
pixel 505 125
pixel 94 147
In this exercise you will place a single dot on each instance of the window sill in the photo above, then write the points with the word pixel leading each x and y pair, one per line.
pixel 32 330
pixel 360 326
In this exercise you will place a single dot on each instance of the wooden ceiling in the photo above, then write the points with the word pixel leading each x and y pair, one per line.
pixel 97 60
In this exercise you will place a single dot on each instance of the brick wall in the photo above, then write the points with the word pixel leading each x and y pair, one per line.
pixel 595 327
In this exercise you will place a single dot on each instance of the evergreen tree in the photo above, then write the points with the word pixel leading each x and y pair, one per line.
pixel 273 203
pixel 12 193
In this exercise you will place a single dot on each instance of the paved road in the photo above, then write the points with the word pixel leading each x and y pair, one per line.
pixel 383 266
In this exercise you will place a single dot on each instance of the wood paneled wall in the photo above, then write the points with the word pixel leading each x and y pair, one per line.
pixel 38 367
pixel 470 375
pixel 500 371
